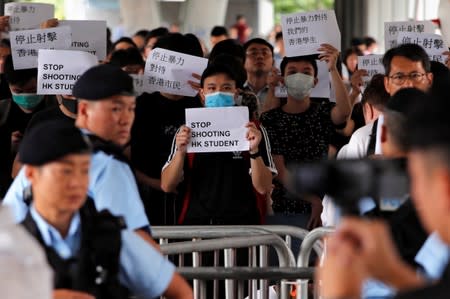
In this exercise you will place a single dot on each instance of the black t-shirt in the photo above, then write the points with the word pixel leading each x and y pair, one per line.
pixel 300 137
pixel 218 187
pixel 156 122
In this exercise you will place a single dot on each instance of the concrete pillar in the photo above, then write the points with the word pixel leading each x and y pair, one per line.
pixel 201 16
pixel 139 14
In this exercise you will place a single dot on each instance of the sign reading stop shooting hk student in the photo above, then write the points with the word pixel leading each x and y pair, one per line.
pixel 168 71
pixel 58 70
pixel 304 32
pixel 217 129
pixel 24 16
pixel 26 44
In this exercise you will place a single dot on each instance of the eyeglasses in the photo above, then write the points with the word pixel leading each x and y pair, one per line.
pixel 399 79
pixel 255 52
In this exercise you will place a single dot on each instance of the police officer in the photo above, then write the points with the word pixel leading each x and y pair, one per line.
pixel 106 103
pixel 92 257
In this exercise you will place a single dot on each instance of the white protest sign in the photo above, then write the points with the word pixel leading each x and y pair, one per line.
pixel 321 90
pixel 432 43
pixel 25 44
pixel 88 36
pixel 138 83
pixel 304 32
pixel 373 64
pixel 217 129
pixel 169 71
pixel 58 70
pixel 392 30
pixel 438 58
pixel 24 16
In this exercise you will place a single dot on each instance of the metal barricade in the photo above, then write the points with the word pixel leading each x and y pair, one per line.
pixel 303 257
pixel 230 273
pixel 228 237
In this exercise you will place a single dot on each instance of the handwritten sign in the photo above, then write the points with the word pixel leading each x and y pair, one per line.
pixel 392 30
pixel 321 90
pixel 438 58
pixel 58 70
pixel 373 64
pixel 169 71
pixel 24 16
pixel 217 129
pixel 432 43
pixel 304 32
pixel 88 36
pixel 25 44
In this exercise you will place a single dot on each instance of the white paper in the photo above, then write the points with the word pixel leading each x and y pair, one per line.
pixel 373 64
pixel 24 16
pixel 168 71
pixel 88 36
pixel 58 70
pixel 217 129
pixel 304 32
pixel 321 90
pixel 392 29
pixel 138 83
pixel 438 58
pixel 432 43
pixel 25 44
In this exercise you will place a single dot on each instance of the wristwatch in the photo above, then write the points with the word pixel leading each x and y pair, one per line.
pixel 255 155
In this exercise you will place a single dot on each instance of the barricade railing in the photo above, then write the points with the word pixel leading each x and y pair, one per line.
pixel 304 255
pixel 163 233
pixel 230 272
pixel 256 271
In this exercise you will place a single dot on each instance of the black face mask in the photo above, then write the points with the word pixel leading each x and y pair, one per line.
pixel 71 105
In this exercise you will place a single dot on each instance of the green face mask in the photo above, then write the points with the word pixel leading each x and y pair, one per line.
pixel 27 100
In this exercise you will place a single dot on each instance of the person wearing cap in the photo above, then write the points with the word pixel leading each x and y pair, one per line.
pixel 92 257
pixel 106 104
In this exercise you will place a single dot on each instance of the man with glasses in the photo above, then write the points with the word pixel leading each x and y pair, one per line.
pixel 258 64
pixel 406 66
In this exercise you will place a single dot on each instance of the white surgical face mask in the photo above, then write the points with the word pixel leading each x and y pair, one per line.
pixel 299 85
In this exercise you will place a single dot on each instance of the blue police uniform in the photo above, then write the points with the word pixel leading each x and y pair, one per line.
pixel 111 185
pixel 143 270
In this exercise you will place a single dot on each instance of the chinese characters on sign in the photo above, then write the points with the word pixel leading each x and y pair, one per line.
pixel 169 71
pixel 24 16
pixel 432 43
pixel 393 29
pixel 304 32
pixel 373 64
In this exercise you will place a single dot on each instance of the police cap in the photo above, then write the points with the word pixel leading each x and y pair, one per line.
pixel 103 81
pixel 50 141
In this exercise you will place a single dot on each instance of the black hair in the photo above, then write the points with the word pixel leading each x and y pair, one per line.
pixel 157 32
pixel 412 52
pixel 17 77
pixel 396 114
pixel 5 43
pixel 368 41
pixel 375 94
pixel 428 128
pixel 142 33
pixel 350 51
pixel 178 42
pixel 126 57
pixel 306 58
pixel 357 41
pixel 279 35
pixel 215 69
pixel 259 41
pixel 123 39
pixel 228 46
pixel 233 63
pixel 218 31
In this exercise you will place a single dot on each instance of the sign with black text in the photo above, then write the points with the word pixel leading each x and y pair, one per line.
pixel 218 129
pixel 27 15
pixel 58 70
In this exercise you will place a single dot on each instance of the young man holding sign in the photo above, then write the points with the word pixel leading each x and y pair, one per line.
pixel 217 187
pixel 300 131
